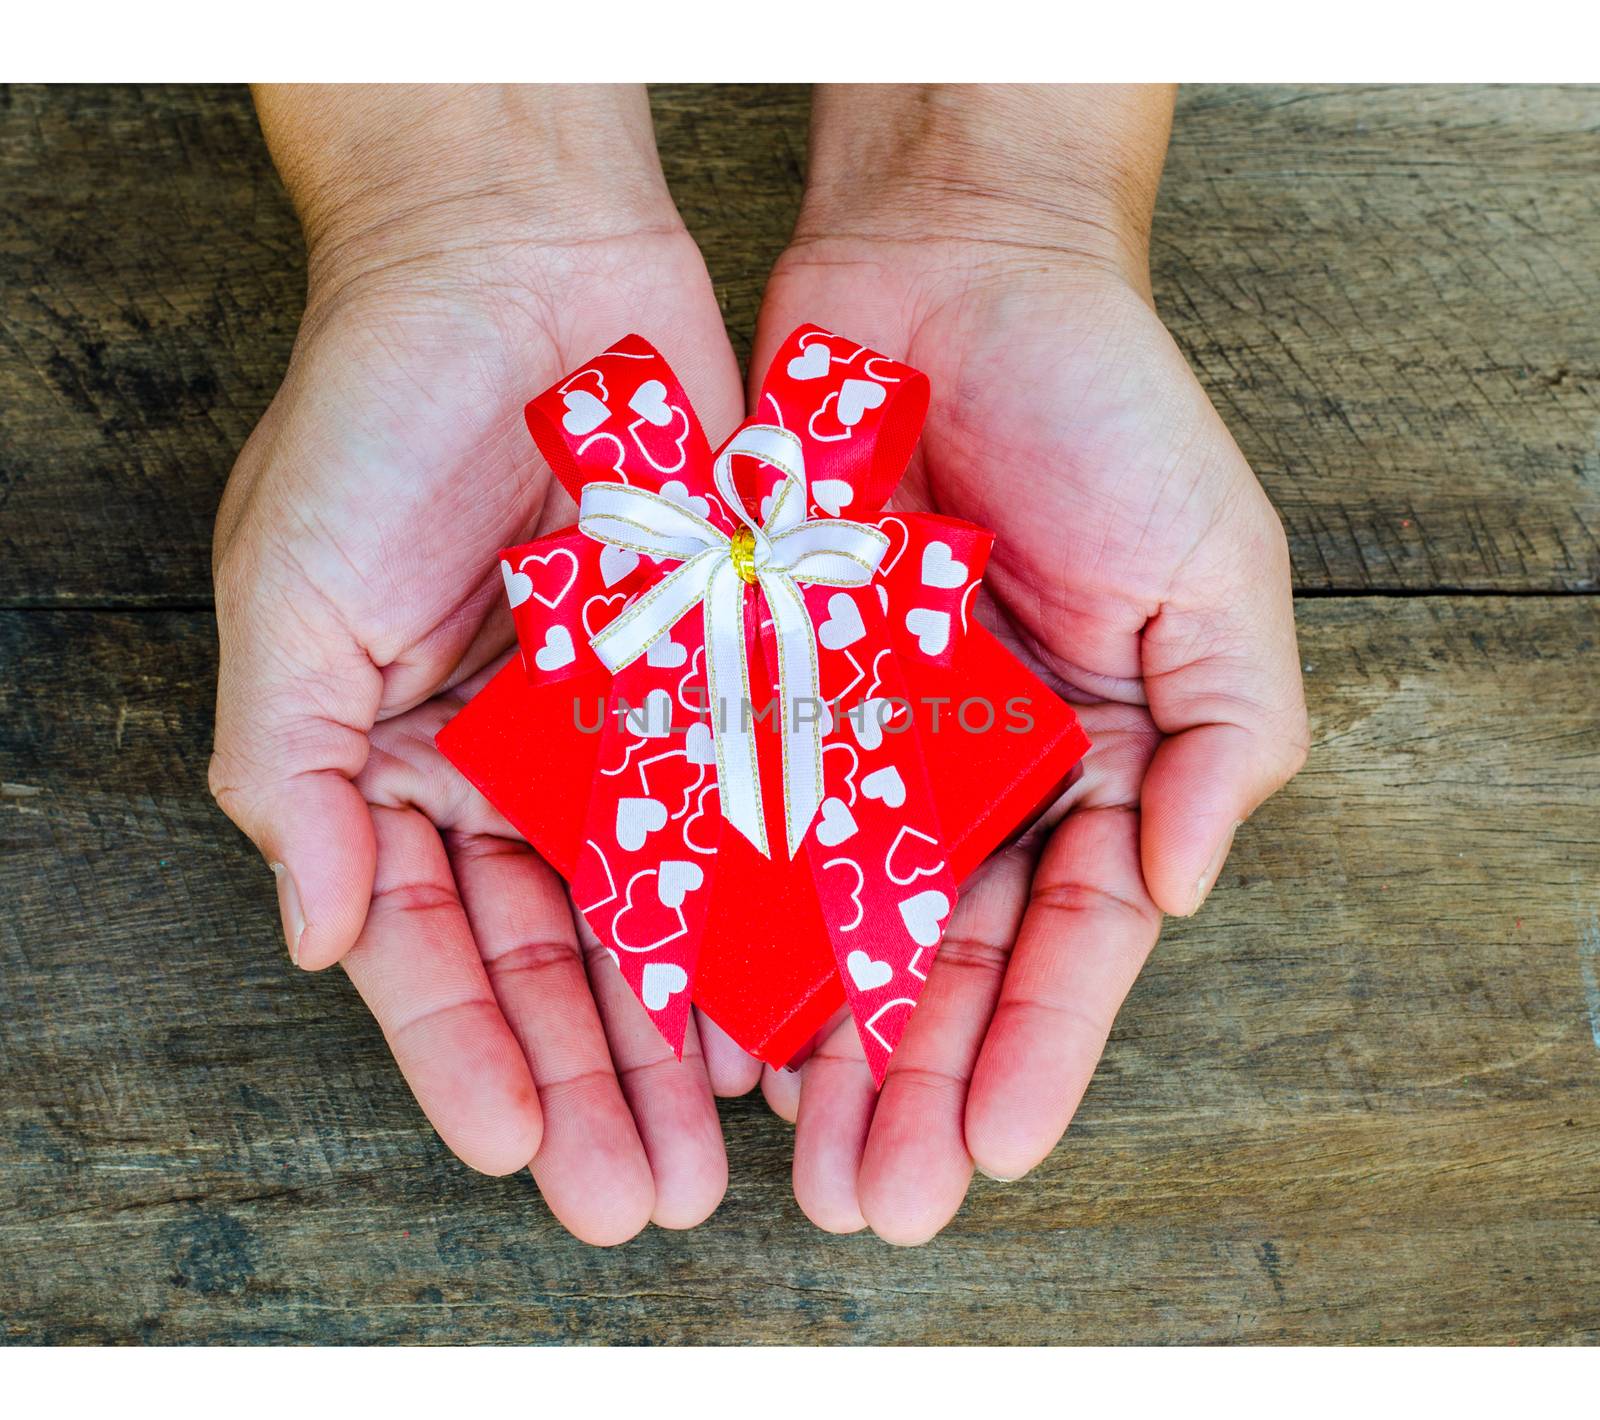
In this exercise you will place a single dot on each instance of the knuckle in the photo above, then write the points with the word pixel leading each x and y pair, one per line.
pixel 1296 742
pixel 221 781
pixel 534 957
pixel 973 953
pixel 1299 749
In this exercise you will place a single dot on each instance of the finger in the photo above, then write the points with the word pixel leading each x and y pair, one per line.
pixel 781 1090
pixel 1223 681
pixel 591 1167
pixel 731 1070
pixel 1088 928
pixel 291 733
pixel 833 1113
pixel 671 1100
pixel 417 968
pixel 916 1168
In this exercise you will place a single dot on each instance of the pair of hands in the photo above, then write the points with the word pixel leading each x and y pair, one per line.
pixel 469 247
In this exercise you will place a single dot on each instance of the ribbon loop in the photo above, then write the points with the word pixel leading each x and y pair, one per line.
pixel 644 522
pixel 835 553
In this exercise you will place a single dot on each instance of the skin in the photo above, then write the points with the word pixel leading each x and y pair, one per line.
pixel 1138 567
pixel 467 247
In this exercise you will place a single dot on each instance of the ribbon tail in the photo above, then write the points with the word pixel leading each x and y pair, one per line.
pixel 878 853
pixel 645 868
pixel 799 703
pixel 645 620
pixel 728 685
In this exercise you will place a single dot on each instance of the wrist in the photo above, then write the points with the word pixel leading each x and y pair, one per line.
pixel 390 175
pixel 1063 174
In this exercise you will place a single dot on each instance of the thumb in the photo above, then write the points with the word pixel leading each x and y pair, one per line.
pixel 1222 674
pixel 291 732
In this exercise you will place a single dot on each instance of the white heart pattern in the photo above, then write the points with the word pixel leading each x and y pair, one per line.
pixel 675 880
pixel 637 819
pixel 544 561
pixel 837 823
pixel 519 585
pixel 931 628
pixel 844 626
pixel 811 364
pixel 856 397
pixel 616 563
pixel 557 650
pixel 653 719
pixel 584 413
pixel 678 492
pixel 940 568
pixel 666 653
pixel 868 974
pixel 924 915
pixel 868 719
pixel 649 402
pixel 697 744
pixel 885 784
pixel 661 981
pixel 598 599
pixel 906 831
pixel 832 495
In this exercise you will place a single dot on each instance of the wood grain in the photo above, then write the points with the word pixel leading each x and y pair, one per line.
pixel 1357 1100
pixel 1390 295
pixel 151 279
pixel 1389 292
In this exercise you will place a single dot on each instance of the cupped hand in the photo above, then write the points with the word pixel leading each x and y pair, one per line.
pixel 1141 571
pixel 358 601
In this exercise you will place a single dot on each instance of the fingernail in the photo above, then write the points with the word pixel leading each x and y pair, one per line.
pixel 1208 878
pixel 294 918
pixel 994 1177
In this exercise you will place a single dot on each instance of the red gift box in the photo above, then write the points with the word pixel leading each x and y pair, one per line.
pixel 831 870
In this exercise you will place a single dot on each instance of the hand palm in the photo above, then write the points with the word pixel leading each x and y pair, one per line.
pixel 397 459
pixel 358 602
pixel 1065 420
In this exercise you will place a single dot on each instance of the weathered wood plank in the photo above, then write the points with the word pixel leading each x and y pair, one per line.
pixel 735 158
pixel 1357 1100
pixel 1389 292
pixel 151 279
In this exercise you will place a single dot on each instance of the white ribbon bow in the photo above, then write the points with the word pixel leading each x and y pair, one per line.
pixel 787 550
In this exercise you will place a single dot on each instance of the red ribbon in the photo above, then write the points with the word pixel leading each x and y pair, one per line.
pixel 654 836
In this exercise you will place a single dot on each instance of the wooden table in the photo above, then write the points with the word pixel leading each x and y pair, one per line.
pixel 1357 1100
